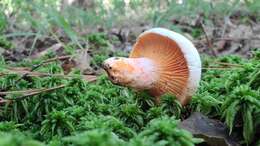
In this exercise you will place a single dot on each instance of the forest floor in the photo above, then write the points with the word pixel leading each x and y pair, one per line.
pixel 54 92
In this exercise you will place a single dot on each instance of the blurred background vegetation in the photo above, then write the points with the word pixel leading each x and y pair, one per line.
pixel 69 21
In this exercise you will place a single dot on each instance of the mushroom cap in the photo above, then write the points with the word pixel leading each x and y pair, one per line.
pixel 178 62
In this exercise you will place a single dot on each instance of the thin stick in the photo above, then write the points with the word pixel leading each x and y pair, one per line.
pixel 51 60
pixel 27 91
pixel 237 39
pixel 37 66
pixel 89 78
pixel 229 64
pixel 207 38
pixel 225 26
pixel 33 92
pixel 58 58
pixel 217 68
pixel 2 100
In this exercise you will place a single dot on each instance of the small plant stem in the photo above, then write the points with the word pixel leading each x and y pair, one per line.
pixel 214 53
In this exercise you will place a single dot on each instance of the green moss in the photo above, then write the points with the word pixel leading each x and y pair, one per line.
pixel 3 21
pixel 232 94
pixel 4 43
pixel 16 138
pixel 165 131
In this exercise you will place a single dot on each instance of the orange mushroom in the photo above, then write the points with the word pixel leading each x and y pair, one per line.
pixel 161 61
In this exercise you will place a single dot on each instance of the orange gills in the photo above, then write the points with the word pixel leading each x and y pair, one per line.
pixel 161 61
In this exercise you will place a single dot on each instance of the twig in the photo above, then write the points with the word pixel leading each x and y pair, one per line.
pixel 32 92
pixel 237 39
pixel 18 92
pixel 229 64
pixel 207 38
pixel 51 60
pixel 26 91
pixel 218 68
pixel 89 78
pixel 39 92
pixel 58 58
pixel 225 26
pixel 2 100
pixel 34 43
pixel 37 66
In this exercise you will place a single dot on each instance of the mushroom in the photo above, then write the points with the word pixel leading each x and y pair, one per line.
pixel 161 61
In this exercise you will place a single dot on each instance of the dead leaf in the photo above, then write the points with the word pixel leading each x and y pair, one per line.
pixel 67 65
pixel 240 31
pixel 90 78
pixel 83 61
pixel 221 44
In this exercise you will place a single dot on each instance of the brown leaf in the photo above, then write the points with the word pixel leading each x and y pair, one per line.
pixel 67 65
pixel 221 44
pixel 82 61
pixel 239 31
pixel 90 78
